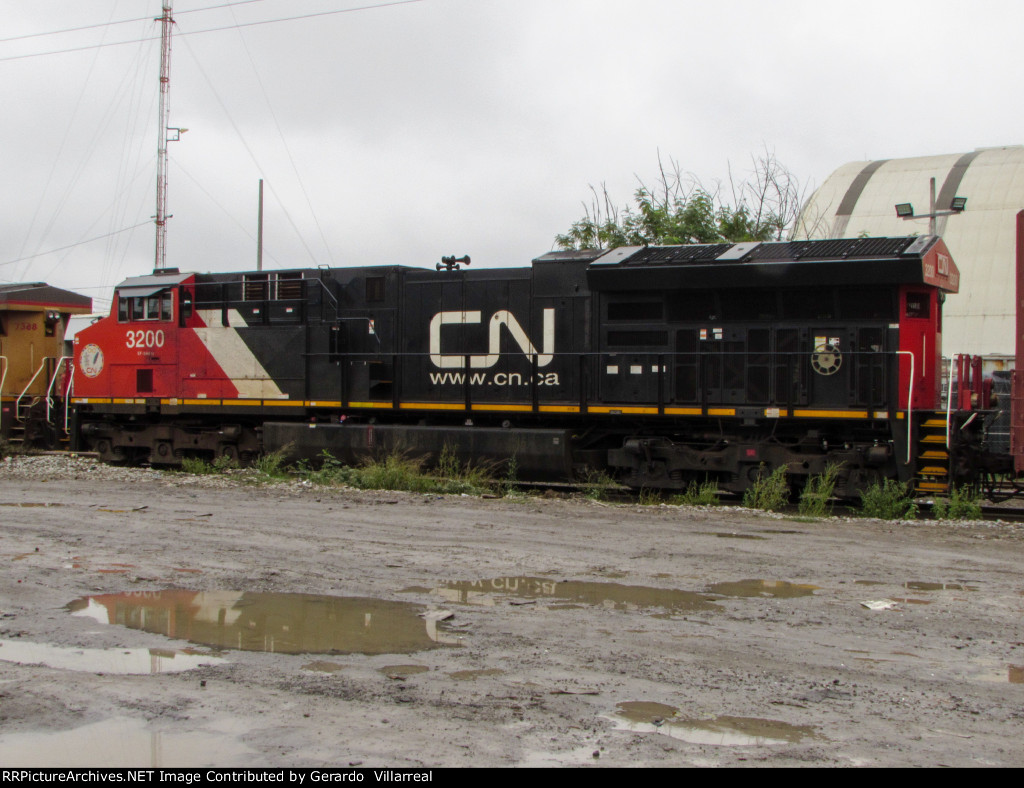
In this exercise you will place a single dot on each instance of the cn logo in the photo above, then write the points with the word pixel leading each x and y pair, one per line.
pixel 498 319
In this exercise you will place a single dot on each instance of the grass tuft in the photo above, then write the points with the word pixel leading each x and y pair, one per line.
pixel 888 500
pixel 398 471
pixel 598 485
pixel 769 492
pixel 962 504
pixel 703 494
pixel 197 466
pixel 273 464
pixel 817 494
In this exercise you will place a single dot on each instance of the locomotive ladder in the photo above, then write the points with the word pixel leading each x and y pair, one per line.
pixel 25 404
pixel 932 456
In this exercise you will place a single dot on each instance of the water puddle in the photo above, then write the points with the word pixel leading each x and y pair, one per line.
pixel 114 661
pixel 279 623
pixel 127 743
pixel 104 568
pixel 918 586
pixel 473 675
pixel 403 671
pixel 32 505
pixel 612 596
pixel 724 731
pixel 321 666
pixel 1013 674
pixel 778 589
pixel 727 535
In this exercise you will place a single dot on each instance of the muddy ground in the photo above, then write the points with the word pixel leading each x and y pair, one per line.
pixel 580 633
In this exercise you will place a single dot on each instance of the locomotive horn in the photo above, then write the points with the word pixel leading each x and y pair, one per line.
pixel 451 262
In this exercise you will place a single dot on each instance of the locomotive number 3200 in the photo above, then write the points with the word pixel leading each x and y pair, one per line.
pixel 142 338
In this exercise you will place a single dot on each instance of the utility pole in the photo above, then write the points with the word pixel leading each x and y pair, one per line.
pixel 259 232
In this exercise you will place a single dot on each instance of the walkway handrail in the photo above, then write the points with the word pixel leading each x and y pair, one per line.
pixel 910 402
pixel 53 382
pixel 3 377
pixel 67 399
pixel 24 391
pixel 949 397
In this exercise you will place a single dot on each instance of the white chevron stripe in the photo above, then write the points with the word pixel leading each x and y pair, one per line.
pixel 234 356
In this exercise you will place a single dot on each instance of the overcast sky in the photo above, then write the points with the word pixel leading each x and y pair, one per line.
pixel 398 134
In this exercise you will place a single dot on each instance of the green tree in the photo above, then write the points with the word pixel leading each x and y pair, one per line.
pixel 678 209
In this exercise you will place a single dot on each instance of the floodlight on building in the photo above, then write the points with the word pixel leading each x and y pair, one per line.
pixel 905 210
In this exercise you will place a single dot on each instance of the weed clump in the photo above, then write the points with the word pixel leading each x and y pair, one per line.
pixel 200 466
pixel 397 471
pixel 273 465
pixel 197 466
pixel 769 493
pixel 598 485
pixel 703 494
pixel 962 504
pixel 509 485
pixel 649 497
pixel 888 500
pixel 814 500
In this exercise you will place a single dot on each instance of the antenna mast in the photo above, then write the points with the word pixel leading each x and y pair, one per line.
pixel 161 160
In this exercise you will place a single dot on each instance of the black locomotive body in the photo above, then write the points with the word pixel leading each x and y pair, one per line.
pixel 661 365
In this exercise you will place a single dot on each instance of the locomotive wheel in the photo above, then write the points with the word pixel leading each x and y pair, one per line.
pixel 163 453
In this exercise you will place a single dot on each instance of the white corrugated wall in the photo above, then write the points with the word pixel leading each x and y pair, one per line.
pixel 860 197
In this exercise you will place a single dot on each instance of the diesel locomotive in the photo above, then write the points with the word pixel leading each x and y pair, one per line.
pixel 659 365
pixel 34 371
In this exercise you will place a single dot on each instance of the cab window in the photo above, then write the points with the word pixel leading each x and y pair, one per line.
pixel 142 308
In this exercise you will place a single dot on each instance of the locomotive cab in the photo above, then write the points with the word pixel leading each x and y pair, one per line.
pixel 133 353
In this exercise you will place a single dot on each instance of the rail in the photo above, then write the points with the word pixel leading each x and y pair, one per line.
pixel 3 377
pixel 53 382
pixel 24 391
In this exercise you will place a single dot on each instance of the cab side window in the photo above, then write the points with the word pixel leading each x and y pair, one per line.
pixel 133 309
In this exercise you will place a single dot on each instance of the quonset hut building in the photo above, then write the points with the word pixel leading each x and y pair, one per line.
pixel 859 198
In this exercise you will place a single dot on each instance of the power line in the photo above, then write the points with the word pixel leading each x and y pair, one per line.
pixel 72 246
pixel 215 29
pixel 121 22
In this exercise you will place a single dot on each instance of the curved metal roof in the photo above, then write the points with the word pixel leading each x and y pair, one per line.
pixel 859 198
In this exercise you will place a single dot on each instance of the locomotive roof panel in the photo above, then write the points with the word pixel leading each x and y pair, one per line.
pixel 153 283
pixel 881 261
